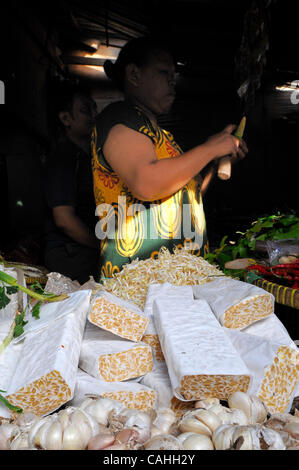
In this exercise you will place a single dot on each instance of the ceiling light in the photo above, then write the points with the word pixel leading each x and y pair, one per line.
pixel 289 86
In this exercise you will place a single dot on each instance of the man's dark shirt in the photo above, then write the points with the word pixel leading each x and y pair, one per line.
pixel 68 182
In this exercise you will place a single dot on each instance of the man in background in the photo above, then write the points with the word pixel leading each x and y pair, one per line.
pixel 71 247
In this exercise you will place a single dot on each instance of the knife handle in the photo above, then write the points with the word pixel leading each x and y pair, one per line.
pixel 224 168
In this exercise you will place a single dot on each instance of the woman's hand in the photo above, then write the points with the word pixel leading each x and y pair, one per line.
pixel 224 143
pixel 241 153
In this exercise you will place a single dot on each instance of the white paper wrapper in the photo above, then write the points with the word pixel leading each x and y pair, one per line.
pixel 274 368
pixel 236 304
pixel 159 380
pixel 120 317
pixel 201 360
pixel 155 291
pixel 113 359
pixel 272 328
pixel 132 395
pixel 45 375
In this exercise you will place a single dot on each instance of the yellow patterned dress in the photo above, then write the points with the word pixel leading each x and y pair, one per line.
pixel 129 228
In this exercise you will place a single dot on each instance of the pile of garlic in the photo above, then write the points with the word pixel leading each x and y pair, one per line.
pixel 101 423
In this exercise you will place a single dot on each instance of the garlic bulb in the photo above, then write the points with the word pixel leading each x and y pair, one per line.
pixel 127 436
pixel 200 421
pixel 223 436
pixel 20 441
pixel 117 447
pixel 8 431
pixel 190 424
pixel 26 420
pixel 182 437
pixel 207 403
pixel 194 441
pixel 139 421
pixel 163 442
pixel 271 438
pixel 252 406
pixel 100 408
pixel 101 441
pixel 293 429
pixel 230 416
pixel 250 437
pixel 69 429
pixel 162 423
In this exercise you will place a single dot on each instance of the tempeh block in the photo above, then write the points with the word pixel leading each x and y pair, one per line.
pixel 118 316
pixel 201 360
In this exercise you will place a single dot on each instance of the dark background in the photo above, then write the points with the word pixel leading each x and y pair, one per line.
pixel 207 35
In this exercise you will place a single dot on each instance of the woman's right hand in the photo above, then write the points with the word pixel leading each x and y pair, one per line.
pixel 223 143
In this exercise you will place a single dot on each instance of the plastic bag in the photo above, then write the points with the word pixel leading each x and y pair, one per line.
pixel 279 251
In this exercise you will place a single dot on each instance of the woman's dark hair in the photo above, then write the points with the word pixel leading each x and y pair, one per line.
pixel 137 51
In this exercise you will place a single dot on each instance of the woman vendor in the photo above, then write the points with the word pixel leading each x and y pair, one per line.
pixel 148 191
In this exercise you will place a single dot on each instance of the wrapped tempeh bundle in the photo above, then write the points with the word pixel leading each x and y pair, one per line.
pixel 45 375
pixel 132 394
pixel 201 360
pixel 154 291
pixel 272 329
pixel 120 317
pixel 113 359
pixel 274 367
pixel 236 304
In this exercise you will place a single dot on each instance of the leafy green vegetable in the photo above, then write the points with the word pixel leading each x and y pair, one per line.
pixel 48 297
pixel 19 324
pixel 36 287
pixel 4 300
pixel 36 310
pixel 11 290
pixel 272 227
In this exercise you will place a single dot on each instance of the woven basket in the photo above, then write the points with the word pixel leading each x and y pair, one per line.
pixel 283 295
